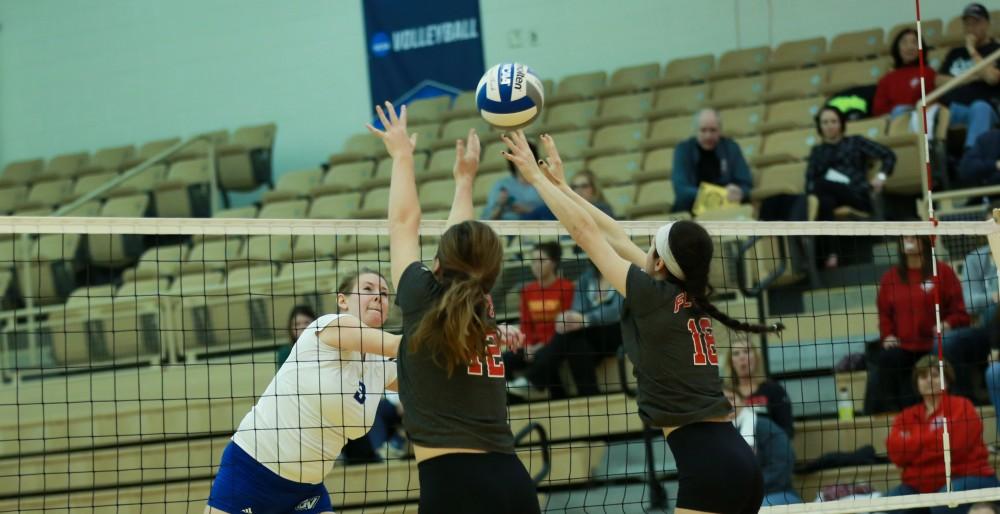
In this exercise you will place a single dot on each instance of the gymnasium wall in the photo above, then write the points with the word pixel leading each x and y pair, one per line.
pixel 82 75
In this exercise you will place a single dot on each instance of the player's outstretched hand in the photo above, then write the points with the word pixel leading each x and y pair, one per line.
pixel 520 154
pixel 552 166
pixel 510 336
pixel 467 157
pixel 397 141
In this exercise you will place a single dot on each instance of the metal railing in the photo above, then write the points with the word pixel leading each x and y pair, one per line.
pixel 543 442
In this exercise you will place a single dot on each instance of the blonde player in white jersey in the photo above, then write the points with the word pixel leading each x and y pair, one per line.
pixel 325 393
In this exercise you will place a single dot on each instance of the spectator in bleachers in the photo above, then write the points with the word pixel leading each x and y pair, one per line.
pixel 980 165
pixel 971 103
pixel 541 301
pixel 512 198
pixel 585 334
pixel 915 443
pixel 837 173
pixel 710 157
pixel 743 372
pixel 585 185
pixel 772 448
pixel 993 368
pixel 300 318
pixel 899 90
pixel 906 299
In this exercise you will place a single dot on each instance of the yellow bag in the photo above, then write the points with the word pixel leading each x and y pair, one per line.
pixel 711 197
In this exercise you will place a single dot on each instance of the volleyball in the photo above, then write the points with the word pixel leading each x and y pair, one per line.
pixel 509 96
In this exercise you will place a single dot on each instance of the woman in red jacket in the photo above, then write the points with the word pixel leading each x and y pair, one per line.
pixel 915 442
pixel 907 321
pixel 899 90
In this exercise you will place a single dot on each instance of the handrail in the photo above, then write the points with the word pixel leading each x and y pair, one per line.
pixel 741 274
pixel 623 373
pixel 543 441
pixel 657 495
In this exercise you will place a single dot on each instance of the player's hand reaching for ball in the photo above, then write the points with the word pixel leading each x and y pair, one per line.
pixel 552 166
pixel 520 154
pixel 395 137
pixel 467 157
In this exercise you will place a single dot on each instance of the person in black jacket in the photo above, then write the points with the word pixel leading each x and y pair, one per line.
pixel 709 157
pixel 981 164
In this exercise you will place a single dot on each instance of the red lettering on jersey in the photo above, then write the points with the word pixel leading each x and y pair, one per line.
pixel 681 301
pixel 494 361
pixel 704 342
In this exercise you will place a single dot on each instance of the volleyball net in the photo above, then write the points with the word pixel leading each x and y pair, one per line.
pixel 132 348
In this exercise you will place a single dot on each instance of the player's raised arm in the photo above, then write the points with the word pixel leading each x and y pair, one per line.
pixel 404 206
pixel 465 169
pixel 349 334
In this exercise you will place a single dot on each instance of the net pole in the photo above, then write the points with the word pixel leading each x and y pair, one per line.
pixel 932 218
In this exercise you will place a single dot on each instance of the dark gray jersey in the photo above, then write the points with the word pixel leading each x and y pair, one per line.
pixel 673 349
pixel 467 409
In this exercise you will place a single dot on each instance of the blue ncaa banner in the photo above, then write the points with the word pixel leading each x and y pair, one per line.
pixel 422 48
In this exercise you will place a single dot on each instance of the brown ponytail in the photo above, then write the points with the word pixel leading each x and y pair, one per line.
pixel 454 330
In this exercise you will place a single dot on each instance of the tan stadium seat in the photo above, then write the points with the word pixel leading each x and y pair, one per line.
pixel 459 129
pixel 481 187
pixel 851 46
pixel 622 108
pixel 687 70
pixel 744 61
pixel 359 147
pixel 657 164
pixel 618 138
pixel 88 183
pixel 118 250
pixel 932 30
pixel 787 146
pixel 632 78
pixel 310 248
pixel 21 172
pixel 348 176
pixel 669 131
pixel 11 197
pixel 750 146
pixel 792 114
pixel 570 115
pixel 436 194
pixel 92 295
pixel 574 166
pixel 48 194
pixel 954 33
pixel 144 182
pixel 464 106
pixel 653 198
pixel 737 92
pixel 197 146
pixel 87 209
pixel 577 87
pixel 872 128
pixel 426 110
pixel 797 54
pixel 64 166
pixel 264 249
pixel 185 192
pixel 245 162
pixel 674 101
pixel 158 262
pixel 572 144
pixel 288 209
pixel 788 178
pixel 788 85
pixel 439 166
pixel 909 175
pixel 620 198
pixel 384 170
pixel 212 255
pixel 615 169
pixel 856 73
pixel 440 214
pixel 149 150
pixel 53 261
pixel 336 206
pixel 151 286
pixel 374 204
pixel 742 121
pixel 294 184
pixel 108 159
pixel 491 158
pixel 427 134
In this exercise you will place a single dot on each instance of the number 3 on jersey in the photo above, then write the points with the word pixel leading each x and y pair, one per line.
pixel 704 342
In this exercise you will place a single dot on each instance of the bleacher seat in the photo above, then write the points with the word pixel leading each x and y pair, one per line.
pixel 791 114
pixel 788 85
pixel 481 187
pixel 185 192
pixel 12 196
pixel 616 169
pixel 657 164
pixel 620 198
pixel 287 209
pixel 909 175
pixel 149 150
pixel 335 206
pixel 686 70
pixel 787 178
pixel 655 197
pixel 743 61
pixel 459 129
pixel 119 250
pixel 675 101
pixel 742 121
pixel 21 172
pixel 669 131
pixel 491 157
pixel 374 204
pixel 855 73
pixel 294 184
pixel 464 106
pixel 88 183
pixel 436 194
pixel 211 255
pixel 871 128
pixel 198 149
pixel 578 87
pixel 47 194
pixel 158 262
pixel 265 249
pixel 383 171
pixel 359 147
pixel 142 183
pixel 796 54
pixel 624 108
pixel 108 159
pixel 792 145
pixel 244 163
pixel 617 138
pixel 63 166
pixel 954 33
pixel 751 146
pixel 931 30
pixel 638 77
pixel 572 144
pixel 850 46
pixel 737 91
pixel 427 110
pixel 570 115
pixel 439 166
pixel 427 134
pixel 54 258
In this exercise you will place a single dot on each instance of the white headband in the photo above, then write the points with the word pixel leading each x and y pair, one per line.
pixel 663 249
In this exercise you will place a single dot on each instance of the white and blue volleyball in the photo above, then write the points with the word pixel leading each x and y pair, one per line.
pixel 509 96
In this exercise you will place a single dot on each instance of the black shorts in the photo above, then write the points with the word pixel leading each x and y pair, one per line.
pixel 487 483
pixel 716 469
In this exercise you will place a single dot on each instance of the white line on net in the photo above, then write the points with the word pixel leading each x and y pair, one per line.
pixel 888 503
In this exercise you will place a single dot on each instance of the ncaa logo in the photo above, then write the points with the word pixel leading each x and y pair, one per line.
pixel 307 504
pixel 381 44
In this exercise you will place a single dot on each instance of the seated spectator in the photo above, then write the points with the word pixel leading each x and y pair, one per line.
pixel 980 165
pixel 300 318
pixel 837 173
pixel 970 104
pixel 586 334
pixel 743 372
pixel 907 321
pixel 386 436
pixel 772 448
pixel 992 332
pixel 709 157
pixel 899 90
pixel 915 442
pixel 541 301
pixel 512 198
pixel 585 185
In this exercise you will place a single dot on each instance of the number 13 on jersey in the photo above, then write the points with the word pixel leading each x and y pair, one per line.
pixel 704 342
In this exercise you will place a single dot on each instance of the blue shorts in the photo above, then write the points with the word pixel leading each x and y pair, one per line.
pixel 244 485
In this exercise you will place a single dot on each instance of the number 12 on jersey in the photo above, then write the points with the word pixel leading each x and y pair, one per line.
pixel 704 342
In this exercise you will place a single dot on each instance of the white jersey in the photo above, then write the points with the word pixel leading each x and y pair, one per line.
pixel 320 398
